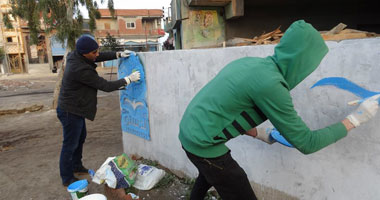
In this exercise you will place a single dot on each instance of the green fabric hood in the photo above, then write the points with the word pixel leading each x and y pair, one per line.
pixel 299 52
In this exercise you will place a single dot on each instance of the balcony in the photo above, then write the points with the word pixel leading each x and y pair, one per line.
pixel 103 33
pixel 13 48
pixel 135 34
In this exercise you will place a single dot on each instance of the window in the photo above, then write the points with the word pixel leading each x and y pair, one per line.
pixel 9 39
pixel 107 26
pixel 131 25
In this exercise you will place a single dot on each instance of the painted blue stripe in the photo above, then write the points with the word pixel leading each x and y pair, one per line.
pixel 345 84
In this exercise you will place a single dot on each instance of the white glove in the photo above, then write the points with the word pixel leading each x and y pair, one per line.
pixel 134 77
pixel 125 54
pixel 365 111
pixel 263 134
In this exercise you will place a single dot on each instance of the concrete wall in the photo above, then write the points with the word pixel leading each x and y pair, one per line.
pixel 349 169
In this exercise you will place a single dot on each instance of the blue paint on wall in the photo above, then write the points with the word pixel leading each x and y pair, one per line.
pixel 134 109
pixel 345 84
pixel 338 82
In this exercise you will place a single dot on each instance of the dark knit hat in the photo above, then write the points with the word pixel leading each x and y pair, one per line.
pixel 86 44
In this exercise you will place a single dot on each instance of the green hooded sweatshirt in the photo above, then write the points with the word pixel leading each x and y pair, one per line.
pixel 250 90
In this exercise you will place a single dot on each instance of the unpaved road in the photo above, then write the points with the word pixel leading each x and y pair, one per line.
pixel 30 143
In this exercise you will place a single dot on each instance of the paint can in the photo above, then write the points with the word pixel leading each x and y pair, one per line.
pixel 94 197
pixel 78 189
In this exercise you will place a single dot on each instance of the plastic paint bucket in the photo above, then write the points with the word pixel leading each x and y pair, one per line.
pixel 94 197
pixel 78 189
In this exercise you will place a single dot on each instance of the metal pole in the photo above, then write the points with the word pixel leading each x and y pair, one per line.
pixel 18 45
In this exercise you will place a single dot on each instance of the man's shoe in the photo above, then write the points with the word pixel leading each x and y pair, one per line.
pixel 80 169
pixel 72 180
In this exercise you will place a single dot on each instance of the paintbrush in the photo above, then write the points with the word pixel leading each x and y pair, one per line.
pixel 355 102
pixel 359 101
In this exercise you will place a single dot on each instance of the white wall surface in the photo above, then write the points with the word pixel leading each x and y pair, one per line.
pixel 348 169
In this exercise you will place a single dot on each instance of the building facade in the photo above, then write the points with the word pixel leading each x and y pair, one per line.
pixel 11 42
pixel 137 30
pixel 20 55
pixel 212 23
pixel 133 29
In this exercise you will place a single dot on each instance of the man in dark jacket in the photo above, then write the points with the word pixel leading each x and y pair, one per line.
pixel 78 98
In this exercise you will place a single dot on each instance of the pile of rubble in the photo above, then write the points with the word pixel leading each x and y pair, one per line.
pixel 337 33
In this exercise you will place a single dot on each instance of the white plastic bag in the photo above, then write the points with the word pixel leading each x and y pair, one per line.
pixel 147 177
pixel 105 174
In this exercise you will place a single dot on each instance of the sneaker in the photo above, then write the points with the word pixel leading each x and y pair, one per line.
pixel 72 180
pixel 80 169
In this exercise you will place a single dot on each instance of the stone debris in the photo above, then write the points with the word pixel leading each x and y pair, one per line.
pixel 337 33
pixel 32 108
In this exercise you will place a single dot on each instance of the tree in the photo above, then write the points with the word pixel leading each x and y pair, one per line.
pixel 110 43
pixel 61 17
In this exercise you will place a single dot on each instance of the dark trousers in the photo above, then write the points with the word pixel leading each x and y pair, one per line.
pixel 225 174
pixel 74 135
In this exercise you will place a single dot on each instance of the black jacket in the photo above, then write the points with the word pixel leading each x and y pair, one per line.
pixel 81 82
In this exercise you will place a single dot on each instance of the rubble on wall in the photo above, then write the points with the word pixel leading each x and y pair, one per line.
pixel 337 33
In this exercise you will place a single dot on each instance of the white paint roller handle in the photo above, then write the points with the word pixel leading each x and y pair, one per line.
pixel 355 102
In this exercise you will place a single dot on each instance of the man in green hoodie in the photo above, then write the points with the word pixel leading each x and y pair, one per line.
pixel 247 92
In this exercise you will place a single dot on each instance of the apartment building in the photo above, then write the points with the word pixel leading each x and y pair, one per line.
pixel 134 29
pixel 20 55
pixel 11 42
pixel 137 30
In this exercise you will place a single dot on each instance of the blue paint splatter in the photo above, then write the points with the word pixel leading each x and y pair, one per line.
pixel 345 84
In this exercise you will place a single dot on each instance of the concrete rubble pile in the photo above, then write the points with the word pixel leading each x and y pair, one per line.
pixel 337 33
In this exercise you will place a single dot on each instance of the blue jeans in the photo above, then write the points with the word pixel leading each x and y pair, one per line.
pixel 74 135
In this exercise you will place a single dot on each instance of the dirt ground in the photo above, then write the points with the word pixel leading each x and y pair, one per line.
pixel 30 142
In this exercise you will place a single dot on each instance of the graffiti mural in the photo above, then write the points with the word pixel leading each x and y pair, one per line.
pixel 134 109
pixel 204 28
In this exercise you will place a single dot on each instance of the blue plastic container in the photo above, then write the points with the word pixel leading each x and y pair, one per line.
pixel 78 189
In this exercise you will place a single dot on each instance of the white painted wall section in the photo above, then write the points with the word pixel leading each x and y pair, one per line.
pixel 348 169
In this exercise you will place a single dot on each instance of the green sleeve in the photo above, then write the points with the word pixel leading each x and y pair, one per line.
pixel 276 103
